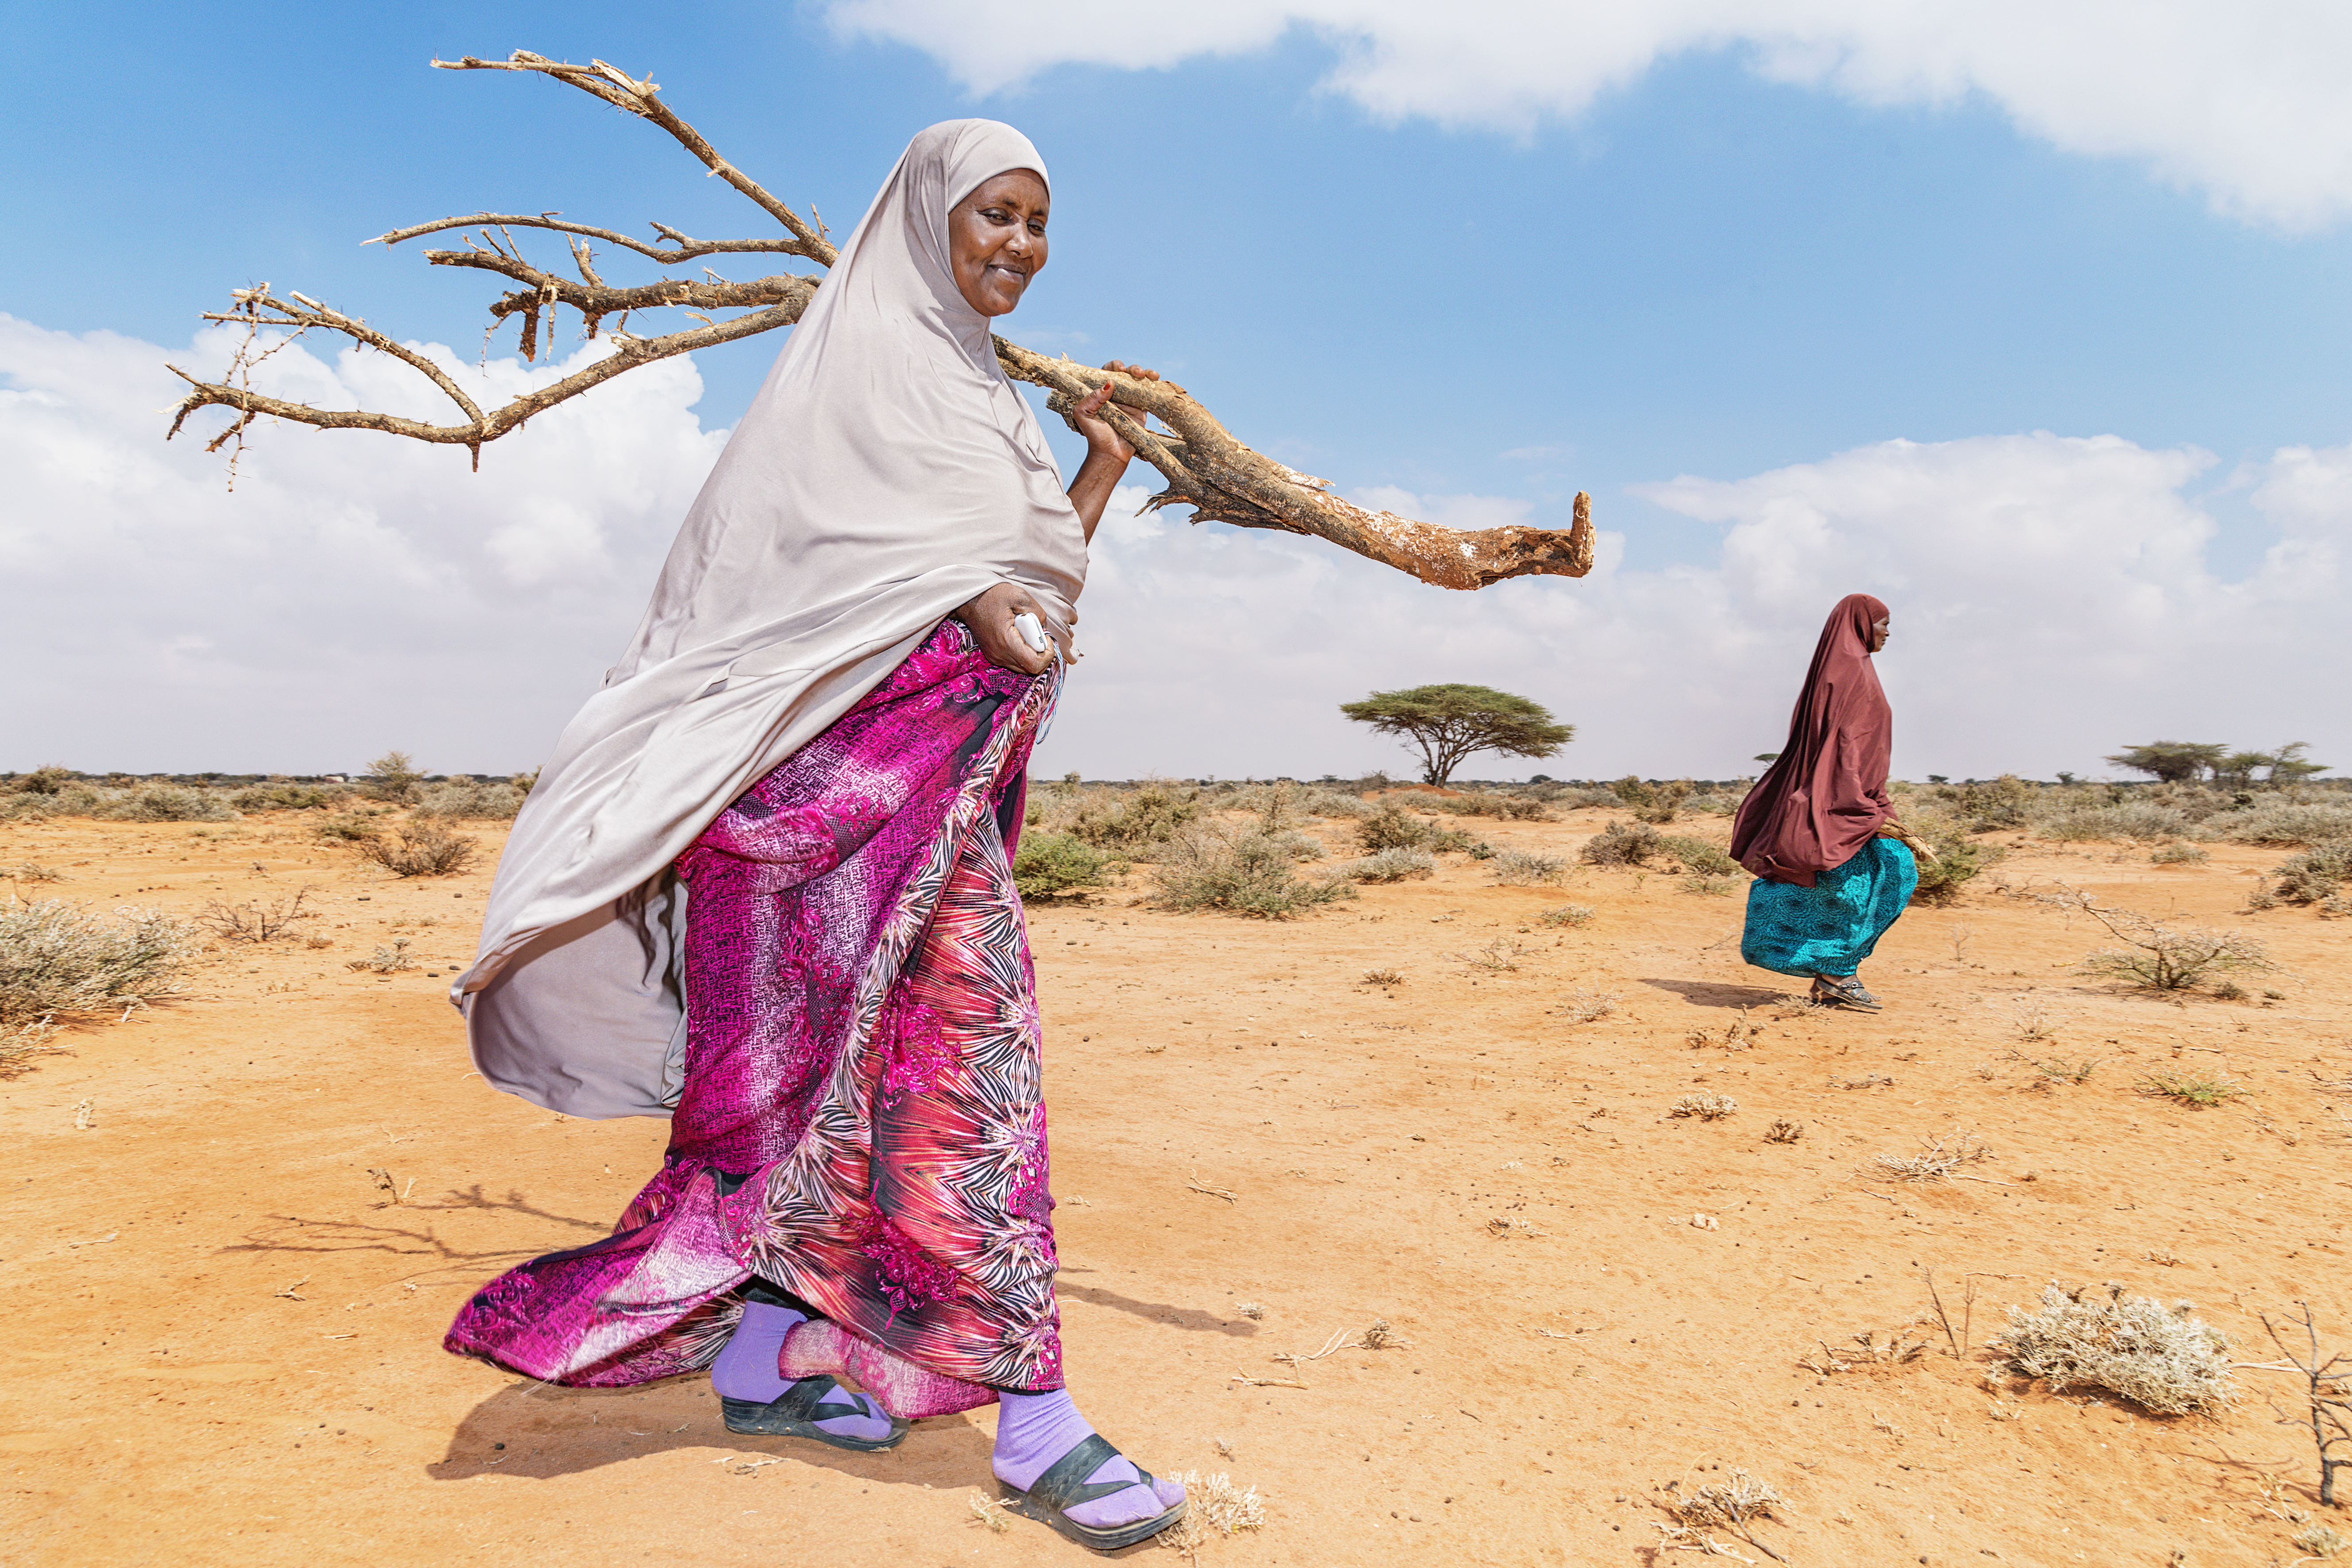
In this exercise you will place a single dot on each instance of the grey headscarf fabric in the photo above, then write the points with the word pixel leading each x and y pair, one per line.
pixel 886 474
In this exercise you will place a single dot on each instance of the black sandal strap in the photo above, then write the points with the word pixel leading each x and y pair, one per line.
pixel 1064 1485
pixel 805 1401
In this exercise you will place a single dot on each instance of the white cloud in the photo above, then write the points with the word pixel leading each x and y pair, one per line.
pixel 2242 100
pixel 355 593
pixel 2053 598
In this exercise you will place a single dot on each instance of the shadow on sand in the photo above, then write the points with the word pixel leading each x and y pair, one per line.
pixel 1719 994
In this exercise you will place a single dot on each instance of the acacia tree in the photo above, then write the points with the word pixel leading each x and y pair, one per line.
pixel 2172 762
pixel 1219 477
pixel 1451 722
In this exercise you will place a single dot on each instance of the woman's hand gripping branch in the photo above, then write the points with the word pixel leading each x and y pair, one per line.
pixel 1107 455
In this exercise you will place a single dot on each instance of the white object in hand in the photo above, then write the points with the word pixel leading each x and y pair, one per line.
pixel 1031 631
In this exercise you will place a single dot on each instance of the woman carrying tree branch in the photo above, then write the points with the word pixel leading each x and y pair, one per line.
pixel 1833 869
pixel 764 888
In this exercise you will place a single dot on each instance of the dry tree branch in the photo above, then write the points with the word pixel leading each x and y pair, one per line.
pixel 1205 467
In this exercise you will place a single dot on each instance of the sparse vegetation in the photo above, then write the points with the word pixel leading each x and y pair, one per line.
pixel 57 958
pixel 1390 865
pixel 31 871
pixel 166 803
pixel 1049 864
pixel 2180 855
pixel 1734 1505
pixel 1393 827
pixel 2201 1092
pixel 1565 915
pixel 1383 977
pixel 1620 843
pixel 386 959
pixel 1509 808
pixel 1214 1506
pixel 2318 875
pixel 1784 1132
pixel 422 848
pixel 471 799
pixel 1498 956
pixel 2165 1359
pixel 1242 871
pixel 2158 957
pixel 282 796
pixel 1705 1107
pixel 1587 1006
pixel 1652 803
pixel 1522 867
pixel 253 921
pixel 1938 1160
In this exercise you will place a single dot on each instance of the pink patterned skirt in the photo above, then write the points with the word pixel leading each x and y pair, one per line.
pixel 862 1121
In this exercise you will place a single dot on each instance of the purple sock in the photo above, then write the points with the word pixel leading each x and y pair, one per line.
pixel 1035 1430
pixel 746 1369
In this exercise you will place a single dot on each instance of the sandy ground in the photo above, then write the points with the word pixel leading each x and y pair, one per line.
pixel 227 1323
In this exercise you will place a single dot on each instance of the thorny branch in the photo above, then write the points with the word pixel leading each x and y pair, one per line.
pixel 1205 467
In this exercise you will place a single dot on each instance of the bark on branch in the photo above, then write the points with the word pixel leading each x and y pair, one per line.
pixel 1204 465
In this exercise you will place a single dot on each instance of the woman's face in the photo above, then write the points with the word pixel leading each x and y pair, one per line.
pixel 1879 633
pixel 996 240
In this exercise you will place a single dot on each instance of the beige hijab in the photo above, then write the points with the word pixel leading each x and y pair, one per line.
pixel 886 473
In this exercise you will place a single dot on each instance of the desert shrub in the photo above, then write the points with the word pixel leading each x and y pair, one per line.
pixel 46 780
pixel 2179 854
pixel 1135 822
pixel 1318 802
pixel 1575 798
pixel 1994 803
pixel 466 798
pixel 58 957
pixel 2283 822
pixel 1509 808
pixel 166 803
pixel 1620 843
pixel 1050 864
pixel 1453 841
pixel 2158 957
pixel 2313 876
pixel 257 921
pixel 1389 865
pixel 1566 915
pixel 417 850
pixel 1524 868
pixel 2199 1090
pixel 1699 857
pixel 350 828
pixel 31 871
pixel 283 797
pixel 385 960
pixel 394 777
pixel 1652 803
pixel 1705 1105
pixel 2162 1358
pixel 2137 820
pixel 1244 871
pixel 1958 858
pixel 1712 805
pixel 1393 827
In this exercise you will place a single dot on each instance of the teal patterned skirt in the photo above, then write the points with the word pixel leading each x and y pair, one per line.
pixel 1830 927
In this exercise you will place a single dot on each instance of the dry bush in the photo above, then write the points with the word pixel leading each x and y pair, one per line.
pixel 1587 1006
pixel 1699 857
pixel 2139 820
pixel 1566 915
pixel 31 871
pixel 1383 977
pixel 1620 843
pixel 2283 822
pixel 1734 1505
pixel 1215 1507
pixel 2326 1396
pixel 1241 870
pixel 2158 957
pixel 1389 865
pixel 1048 865
pixel 2315 876
pixel 1523 869
pixel 1652 803
pixel 418 849
pixel 164 803
pixel 1711 887
pixel 1393 827
pixel 58 958
pixel 1134 822
pixel 1737 1035
pixel 1784 1132
pixel 351 826
pixel 1936 1160
pixel 282 796
pixel 2179 854
pixel 471 800
pixel 1507 808
pixel 394 777
pixel 2320 1541
pixel 1706 1107
pixel 386 959
pixel 48 779
pixel 1958 858
pixel 2162 1358
pixel 255 921
pixel 2199 1091
pixel 1502 954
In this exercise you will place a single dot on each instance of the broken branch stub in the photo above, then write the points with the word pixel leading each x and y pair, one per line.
pixel 1205 467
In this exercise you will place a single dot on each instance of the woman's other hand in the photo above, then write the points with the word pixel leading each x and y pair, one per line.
pixel 990 617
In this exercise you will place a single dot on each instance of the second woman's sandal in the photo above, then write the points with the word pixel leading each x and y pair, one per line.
pixel 1063 1486
pixel 796 1412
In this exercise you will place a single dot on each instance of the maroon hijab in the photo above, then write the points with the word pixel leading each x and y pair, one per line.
pixel 1823 800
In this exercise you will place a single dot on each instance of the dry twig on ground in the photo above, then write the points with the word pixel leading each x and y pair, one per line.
pixel 2327 1394
pixel 1938 1160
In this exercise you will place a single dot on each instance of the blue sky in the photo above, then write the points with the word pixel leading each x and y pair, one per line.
pixel 1667 288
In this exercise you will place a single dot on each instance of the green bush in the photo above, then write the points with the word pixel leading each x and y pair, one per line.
pixel 1699 857
pixel 1995 803
pixel 1051 864
pixel 1135 821
pixel 1958 858
pixel 1393 827
pixel 1520 869
pixel 1652 803
pixel 2313 876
